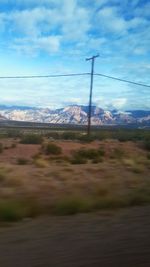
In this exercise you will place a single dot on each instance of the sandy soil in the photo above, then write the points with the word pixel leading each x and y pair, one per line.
pixel 116 239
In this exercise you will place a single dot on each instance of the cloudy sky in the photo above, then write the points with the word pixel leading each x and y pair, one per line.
pixel 39 37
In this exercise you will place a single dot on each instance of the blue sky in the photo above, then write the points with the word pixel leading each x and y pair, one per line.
pixel 40 37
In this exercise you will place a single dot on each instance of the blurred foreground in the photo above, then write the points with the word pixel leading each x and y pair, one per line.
pixel 107 239
pixel 65 173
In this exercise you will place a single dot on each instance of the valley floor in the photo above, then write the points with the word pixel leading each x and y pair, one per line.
pixel 32 182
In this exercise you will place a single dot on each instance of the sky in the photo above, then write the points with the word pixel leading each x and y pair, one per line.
pixel 42 37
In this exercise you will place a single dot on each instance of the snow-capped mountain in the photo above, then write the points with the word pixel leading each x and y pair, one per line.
pixel 74 115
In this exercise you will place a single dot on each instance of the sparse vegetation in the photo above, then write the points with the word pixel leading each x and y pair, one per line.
pixel 22 161
pixel 2 176
pixel 86 138
pixel 97 160
pixel 13 145
pixel 1 147
pixel 147 144
pixel 118 153
pixel 40 163
pixel 52 149
pixel 82 155
pixel 11 210
pixel 111 174
pixel 13 133
pixel 148 156
pixel 31 139
pixel 78 160
pixel 72 205
pixel 70 135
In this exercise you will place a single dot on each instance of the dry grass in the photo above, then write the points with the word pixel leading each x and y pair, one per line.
pixel 41 163
pixel 121 178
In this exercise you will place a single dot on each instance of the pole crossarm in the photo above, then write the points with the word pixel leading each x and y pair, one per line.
pixel 92 58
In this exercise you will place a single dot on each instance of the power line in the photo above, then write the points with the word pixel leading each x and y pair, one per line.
pixel 43 76
pixel 71 75
pixel 121 80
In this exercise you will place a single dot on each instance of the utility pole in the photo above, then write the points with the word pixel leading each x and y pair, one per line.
pixel 91 90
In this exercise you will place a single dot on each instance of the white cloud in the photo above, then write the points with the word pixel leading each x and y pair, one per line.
pixel 39 23
pixel 49 44
pixel 34 22
pixel 32 46
pixel 76 24
pixel 111 103
pixel 69 18
pixel 119 102
pixel 110 21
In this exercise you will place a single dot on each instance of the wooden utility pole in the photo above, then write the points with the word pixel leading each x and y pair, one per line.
pixel 91 90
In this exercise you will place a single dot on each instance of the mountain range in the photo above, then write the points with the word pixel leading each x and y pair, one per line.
pixel 74 114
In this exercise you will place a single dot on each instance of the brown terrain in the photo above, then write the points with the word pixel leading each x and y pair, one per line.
pixel 123 170
pixel 34 184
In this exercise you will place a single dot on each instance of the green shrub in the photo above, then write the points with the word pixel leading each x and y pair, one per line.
pixel 13 145
pixel 52 149
pixel 137 169
pixel 117 153
pixel 54 135
pixel 31 139
pixel 2 176
pixel 78 160
pixel 10 211
pixel 86 138
pixel 148 156
pixel 72 205
pixel 101 152
pixel 97 160
pixel 70 135
pixel 139 196
pixel 110 202
pixel 13 133
pixel 147 144
pixel 22 161
pixel 1 147
pixel 36 156
pixel 88 154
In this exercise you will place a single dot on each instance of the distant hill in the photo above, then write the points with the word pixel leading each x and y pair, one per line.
pixel 74 114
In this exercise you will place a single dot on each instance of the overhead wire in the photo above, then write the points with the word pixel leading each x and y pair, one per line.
pixel 43 76
pixel 73 75
pixel 122 80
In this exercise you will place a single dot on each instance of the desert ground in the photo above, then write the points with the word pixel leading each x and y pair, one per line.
pixel 71 203
pixel 80 177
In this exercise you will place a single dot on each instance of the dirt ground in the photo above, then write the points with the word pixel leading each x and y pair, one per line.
pixel 108 239
pixel 28 151
pixel 124 169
